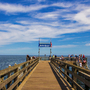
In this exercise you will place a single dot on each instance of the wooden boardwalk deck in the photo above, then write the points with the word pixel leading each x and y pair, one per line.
pixel 44 78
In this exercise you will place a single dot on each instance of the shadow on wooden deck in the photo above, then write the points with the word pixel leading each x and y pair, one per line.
pixel 63 84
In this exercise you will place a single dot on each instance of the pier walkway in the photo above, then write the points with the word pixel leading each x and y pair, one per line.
pixel 53 74
pixel 44 77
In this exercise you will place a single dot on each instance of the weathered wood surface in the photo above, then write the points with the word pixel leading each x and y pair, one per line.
pixel 43 78
pixel 77 73
pixel 12 81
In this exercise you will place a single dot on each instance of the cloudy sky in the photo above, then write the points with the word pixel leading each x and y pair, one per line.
pixel 23 22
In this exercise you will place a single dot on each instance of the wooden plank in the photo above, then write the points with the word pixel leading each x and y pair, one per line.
pixel 78 86
pixel 66 83
pixel 76 75
pixel 2 84
pixel 19 79
pixel 19 88
pixel 85 75
pixel 85 81
pixel 43 79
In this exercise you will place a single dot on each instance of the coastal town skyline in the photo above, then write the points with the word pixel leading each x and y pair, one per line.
pixel 65 22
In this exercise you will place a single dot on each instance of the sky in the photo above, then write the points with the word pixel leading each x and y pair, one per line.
pixel 65 22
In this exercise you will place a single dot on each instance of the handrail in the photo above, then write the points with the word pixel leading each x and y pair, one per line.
pixel 5 71
pixel 74 66
pixel 77 73
pixel 16 74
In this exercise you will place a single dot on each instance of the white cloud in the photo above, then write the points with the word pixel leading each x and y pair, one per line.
pixel 20 33
pixel 83 16
pixel 65 46
pixel 14 8
pixel 52 27
pixel 50 15
pixel 88 44
pixel 60 4
pixel 24 22
pixel 32 31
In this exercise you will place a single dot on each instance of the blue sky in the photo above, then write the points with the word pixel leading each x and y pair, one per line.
pixel 23 22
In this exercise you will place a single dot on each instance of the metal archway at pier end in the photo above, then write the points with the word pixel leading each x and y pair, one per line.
pixel 44 45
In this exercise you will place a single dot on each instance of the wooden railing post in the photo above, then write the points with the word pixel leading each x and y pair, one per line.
pixel 24 67
pixel 1 80
pixel 29 67
pixel 60 70
pixel 24 70
pixel 9 74
pixel 66 71
pixel 86 66
pixel 74 78
pixel 16 77
pixel 86 87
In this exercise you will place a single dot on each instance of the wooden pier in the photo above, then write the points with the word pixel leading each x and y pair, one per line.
pixel 53 74
pixel 43 78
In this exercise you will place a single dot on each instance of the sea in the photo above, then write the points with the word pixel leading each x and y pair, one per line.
pixel 6 60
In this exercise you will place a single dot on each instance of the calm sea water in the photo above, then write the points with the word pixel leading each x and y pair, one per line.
pixel 6 60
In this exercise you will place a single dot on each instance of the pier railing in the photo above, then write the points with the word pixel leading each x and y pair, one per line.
pixel 11 77
pixel 77 76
